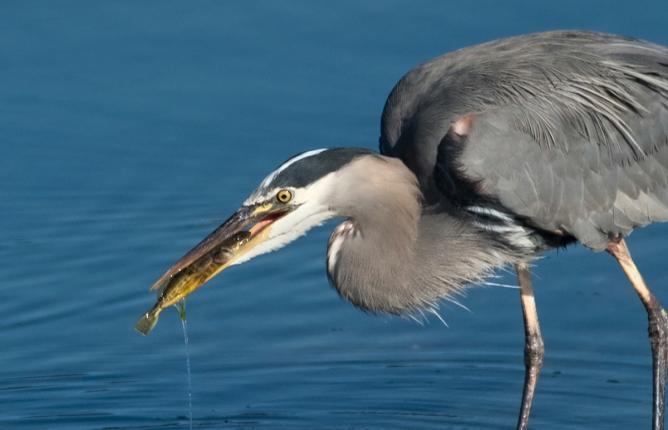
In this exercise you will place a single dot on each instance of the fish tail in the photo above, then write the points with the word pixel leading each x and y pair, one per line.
pixel 147 321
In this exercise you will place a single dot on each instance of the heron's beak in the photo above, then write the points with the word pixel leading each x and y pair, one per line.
pixel 255 219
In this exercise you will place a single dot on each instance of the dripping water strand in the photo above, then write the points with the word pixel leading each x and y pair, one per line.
pixel 184 324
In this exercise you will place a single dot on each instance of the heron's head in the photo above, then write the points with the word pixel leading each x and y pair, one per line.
pixel 302 193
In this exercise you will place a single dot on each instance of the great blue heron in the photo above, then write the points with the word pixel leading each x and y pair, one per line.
pixel 490 155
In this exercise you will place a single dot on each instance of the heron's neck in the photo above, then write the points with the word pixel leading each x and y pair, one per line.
pixel 381 265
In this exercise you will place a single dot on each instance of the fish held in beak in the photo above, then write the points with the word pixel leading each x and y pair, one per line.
pixel 192 276
pixel 220 249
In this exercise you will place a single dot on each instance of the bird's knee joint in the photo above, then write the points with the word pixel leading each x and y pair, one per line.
pixel 534 351
pixel 658 323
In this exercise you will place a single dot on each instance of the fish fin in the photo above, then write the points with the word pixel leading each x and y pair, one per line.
pixel 146 323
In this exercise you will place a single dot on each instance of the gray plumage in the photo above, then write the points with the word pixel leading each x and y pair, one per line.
pixel 569 134
pixel 569 140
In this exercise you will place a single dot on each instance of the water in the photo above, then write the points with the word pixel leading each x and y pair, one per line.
pixel 130 130
pixel 184 324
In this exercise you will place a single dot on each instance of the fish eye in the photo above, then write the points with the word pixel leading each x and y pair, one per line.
pixel 284 196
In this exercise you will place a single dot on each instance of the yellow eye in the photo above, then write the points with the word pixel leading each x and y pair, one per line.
pixel 284 196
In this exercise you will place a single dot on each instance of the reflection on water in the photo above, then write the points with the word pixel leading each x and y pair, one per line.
pixel 131 131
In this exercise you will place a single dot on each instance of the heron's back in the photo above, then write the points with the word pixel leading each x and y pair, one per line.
pixel 569 130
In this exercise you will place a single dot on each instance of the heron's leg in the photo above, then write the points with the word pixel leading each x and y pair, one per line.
pixel 658 327
pixel 533 344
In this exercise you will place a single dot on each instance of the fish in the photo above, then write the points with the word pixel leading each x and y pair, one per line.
pixel 184 282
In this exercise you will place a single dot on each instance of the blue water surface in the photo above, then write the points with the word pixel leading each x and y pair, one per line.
pixel 129 130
